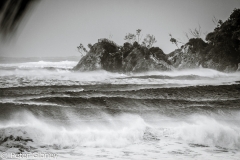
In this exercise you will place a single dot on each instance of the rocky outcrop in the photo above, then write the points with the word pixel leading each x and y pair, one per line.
pixel 108 56
pixel 192 56
pixel 196 56
pixel 141 59
pixel 184 58
pixel 129 58
pixel 221 52
pixel 92 60
pixel 20 143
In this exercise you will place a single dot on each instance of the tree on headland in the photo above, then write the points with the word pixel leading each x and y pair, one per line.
pixel 197 32
pixel 130 38
pixel 149 40
pixel 89 45
pixel 82 49
pixel 135 45
pixel 173 40
pixel 224 41
pixel 217 22
pixel 186 34
pixel 138 31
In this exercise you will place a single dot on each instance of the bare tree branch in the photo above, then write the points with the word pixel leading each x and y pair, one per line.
pixel 215 20
pixel 186 34
pixel 197 32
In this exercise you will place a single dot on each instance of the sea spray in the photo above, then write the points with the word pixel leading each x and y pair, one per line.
pixel 110 131
pixel 205 130
pixel 186 113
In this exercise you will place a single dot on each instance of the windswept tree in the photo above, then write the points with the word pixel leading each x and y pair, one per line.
pixel 89 45
pixel 82 49
pixel 149 40
pixel 173 40
pixel 215 20
pixel 186 34
pixel 197 32
pixel 138 31
pixel 130 38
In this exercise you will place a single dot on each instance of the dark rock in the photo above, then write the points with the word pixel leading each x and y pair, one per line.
pixel 222 52
pixel 129 58
pixel 8 138
pixel 18 138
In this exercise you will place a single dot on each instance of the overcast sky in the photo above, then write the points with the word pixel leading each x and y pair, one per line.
pixel 56 27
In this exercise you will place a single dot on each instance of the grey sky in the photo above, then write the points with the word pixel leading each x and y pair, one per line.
pixel 56 27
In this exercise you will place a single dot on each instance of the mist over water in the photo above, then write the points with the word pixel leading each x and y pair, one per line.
pixel 186 114
pixel 45 73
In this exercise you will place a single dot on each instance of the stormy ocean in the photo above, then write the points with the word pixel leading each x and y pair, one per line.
pixel 45 107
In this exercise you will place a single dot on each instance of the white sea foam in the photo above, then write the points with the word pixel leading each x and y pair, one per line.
pixel 34 77
pixel 162 138
pixel 41 64
pixel 139 136
pixel 199 129
pixel 202 72
pixel 112 131
pixel 125 129
pixel 44 77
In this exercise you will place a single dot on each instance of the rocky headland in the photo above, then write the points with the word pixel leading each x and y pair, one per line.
pixel 130 58
pixel 219 51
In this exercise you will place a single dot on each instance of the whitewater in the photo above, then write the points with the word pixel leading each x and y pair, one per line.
pixel 46 107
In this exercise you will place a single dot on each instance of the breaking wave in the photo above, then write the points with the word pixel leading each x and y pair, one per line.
pixel 199 129
pixel 110 131
pixel 59 73
pixel 46 106
pixel 40 65
pixel 118 131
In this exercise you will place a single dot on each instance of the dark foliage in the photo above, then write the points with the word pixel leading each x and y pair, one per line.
pixel 155 49
pixel 197 44
pixel 126 49
pixel 109 49
pixel 128 56
pixel 136 45
pixel 89 45
pixel 224 41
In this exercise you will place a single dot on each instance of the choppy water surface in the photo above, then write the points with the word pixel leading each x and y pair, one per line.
pixel 188 114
